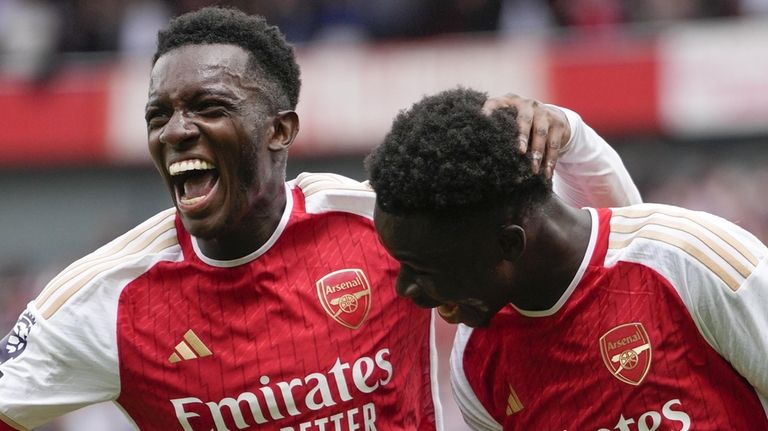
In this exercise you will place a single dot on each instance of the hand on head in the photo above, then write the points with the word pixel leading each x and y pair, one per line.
pixel 544 129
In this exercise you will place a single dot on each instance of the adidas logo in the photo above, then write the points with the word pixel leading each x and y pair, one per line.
pixel 513 402
pixel 190 348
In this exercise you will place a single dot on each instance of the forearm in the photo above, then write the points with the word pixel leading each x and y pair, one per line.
pixel 590 172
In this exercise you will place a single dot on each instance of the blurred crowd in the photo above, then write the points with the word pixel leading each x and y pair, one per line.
pixel 31 30
pixel 109 25
pixel 54 26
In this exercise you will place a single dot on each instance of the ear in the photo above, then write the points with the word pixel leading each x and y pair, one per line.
pixel 512 241
pixel 285 126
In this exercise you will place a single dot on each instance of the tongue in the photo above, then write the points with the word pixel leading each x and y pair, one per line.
pixel 199 185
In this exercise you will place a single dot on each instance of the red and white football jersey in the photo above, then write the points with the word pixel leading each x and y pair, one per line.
pixel 664 327
pixel 306 333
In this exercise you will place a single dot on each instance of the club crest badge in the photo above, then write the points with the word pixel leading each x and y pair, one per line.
pixel 14 343
pixel 626 351
pixel 346 296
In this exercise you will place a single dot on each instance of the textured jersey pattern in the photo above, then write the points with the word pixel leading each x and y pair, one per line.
pixel 625 351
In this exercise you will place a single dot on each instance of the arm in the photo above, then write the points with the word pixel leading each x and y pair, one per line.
pixel 733 318
pixel 589 172
pixel 54 362
pixel 53 366
pixel 720 272
pixel 741 328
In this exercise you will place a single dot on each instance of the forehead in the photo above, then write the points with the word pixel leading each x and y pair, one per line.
pixel 215 64
pixel 430 237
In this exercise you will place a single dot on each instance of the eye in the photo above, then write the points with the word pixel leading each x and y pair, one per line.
pixel 155 118
pixel 212 109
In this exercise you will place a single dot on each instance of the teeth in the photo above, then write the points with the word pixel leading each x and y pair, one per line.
pixel 189 165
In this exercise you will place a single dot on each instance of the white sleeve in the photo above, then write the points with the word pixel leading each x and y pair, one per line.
pixel 62 354
pixel 721 277
pixel 741 328
pixel 590 172
pixel 735 323
pixel 53 364
pixel 475 414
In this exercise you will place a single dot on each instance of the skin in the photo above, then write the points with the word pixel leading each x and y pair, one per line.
pixel 205 104
pixel 471 263
pixel 544 131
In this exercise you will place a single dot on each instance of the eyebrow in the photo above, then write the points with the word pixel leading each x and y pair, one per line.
pixel 203 92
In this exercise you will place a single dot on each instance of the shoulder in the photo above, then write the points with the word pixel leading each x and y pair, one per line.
pixel 324 192
pixel 674 240
pixel 114 264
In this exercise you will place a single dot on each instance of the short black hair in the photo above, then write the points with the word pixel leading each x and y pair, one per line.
pixel 444 154
pixel 271 55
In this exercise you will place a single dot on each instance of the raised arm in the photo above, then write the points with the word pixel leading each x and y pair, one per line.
pixel 584 169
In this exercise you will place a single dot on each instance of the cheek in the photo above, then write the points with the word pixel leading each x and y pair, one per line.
pixel 155 149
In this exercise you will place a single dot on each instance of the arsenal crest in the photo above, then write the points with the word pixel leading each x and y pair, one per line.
pixel 346 296
pixel 626 351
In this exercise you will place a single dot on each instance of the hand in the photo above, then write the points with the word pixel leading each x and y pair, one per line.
pixel 544 130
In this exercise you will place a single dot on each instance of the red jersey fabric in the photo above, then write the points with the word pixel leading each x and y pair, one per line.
pixel 307 333
pixel 622 353
pixel 279 360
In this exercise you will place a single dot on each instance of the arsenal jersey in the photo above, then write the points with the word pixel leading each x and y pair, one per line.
pixel 306 333
pixel 664 327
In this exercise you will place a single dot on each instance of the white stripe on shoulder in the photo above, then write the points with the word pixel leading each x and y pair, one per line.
pixel 332 192
pixel 475 415
pixel 312 183
pixel 727 251
pixel 153 236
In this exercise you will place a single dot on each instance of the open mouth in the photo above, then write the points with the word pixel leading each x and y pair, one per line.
pixel 474 314
pixel 449 312
pixel 193 181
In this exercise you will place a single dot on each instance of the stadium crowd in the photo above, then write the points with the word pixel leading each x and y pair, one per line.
pixel 120 25
pixel 34 33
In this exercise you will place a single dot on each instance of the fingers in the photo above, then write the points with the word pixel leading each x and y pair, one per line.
pixel 525 110
pixel 538 141
pixel 554 145
pixel 508 100
pixel 525 121
pixel 543 130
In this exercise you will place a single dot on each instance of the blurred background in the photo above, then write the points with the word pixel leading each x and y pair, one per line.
pixel 678 87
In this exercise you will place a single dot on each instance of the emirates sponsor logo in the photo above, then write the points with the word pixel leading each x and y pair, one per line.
pixel 671 417
pixel 317 398
pixel 346 296
pixel 626 351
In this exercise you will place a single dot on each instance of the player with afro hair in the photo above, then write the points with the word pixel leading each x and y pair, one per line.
pixel 445 153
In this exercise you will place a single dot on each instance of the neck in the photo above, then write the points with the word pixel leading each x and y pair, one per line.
pixel 250 232
pixel 557 236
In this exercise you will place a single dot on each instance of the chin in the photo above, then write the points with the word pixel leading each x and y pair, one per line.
pixel 202 228
pixel 476 323
pixel 475 319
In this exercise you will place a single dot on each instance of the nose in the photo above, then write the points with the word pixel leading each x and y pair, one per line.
pixel 178 130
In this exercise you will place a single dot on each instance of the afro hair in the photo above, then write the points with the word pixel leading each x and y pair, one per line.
pixel 444 154
pixel 269 51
